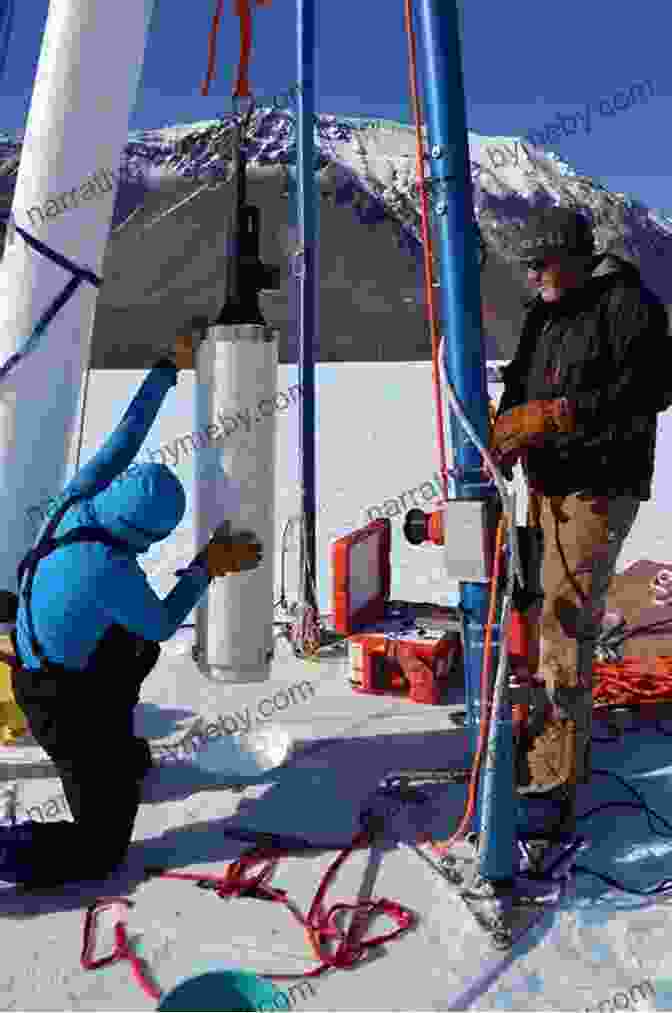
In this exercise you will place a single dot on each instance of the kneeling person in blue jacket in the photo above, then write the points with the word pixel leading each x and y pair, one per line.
pixel 87 635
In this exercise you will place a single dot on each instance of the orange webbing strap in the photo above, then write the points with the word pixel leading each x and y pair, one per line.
pixel 241 9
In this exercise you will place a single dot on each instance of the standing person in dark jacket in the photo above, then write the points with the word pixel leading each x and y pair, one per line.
pixel 87 635
pixel 579 407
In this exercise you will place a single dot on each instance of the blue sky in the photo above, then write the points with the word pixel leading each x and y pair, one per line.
pixel 524 62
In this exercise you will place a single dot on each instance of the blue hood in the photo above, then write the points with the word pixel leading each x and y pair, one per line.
pixel 142 506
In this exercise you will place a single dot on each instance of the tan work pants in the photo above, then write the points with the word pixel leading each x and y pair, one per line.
pixel 583 536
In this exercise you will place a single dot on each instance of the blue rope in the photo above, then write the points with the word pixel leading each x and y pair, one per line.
pixel 80 274
pixel 6 24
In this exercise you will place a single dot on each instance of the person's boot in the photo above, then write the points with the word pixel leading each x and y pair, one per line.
pixel 548 759
pixel 551 757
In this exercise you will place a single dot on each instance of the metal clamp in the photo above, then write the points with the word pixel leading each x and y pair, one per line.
pixel 403 780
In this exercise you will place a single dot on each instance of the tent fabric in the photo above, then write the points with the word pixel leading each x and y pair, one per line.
pixel 630 593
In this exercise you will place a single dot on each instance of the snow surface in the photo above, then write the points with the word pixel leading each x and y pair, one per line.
pixel 603 943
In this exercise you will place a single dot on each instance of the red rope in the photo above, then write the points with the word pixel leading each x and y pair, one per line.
pixel 319 925
pixel 243 10
pixel 122 949
pixel 212 48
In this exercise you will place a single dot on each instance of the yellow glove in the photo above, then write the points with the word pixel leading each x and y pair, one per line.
pixel 233 553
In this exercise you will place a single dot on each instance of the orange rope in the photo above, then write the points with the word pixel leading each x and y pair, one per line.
pixel 427 244
pixel 441 846
pixel 633 681
pixel 486 708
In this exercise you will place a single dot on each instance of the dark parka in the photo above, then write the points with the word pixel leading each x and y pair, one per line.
pixel 606 347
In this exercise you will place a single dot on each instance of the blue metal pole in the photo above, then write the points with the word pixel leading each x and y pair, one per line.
pixel 308 210
pixel 464 360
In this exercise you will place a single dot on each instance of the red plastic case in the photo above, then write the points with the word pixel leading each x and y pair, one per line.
pixel 376 627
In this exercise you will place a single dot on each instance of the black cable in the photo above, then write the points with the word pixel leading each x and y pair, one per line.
pixel 643 804
pixel 665 885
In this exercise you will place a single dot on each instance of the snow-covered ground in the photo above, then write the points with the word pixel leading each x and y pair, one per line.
pixel 602 944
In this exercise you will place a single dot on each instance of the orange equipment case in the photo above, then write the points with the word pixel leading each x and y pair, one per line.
pixel 376 627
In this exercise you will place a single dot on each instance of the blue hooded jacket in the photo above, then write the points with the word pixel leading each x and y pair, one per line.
pixel 80 590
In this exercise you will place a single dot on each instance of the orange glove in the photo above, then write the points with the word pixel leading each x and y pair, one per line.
pixel 232 552
pixel 530 423
pixel 505 463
